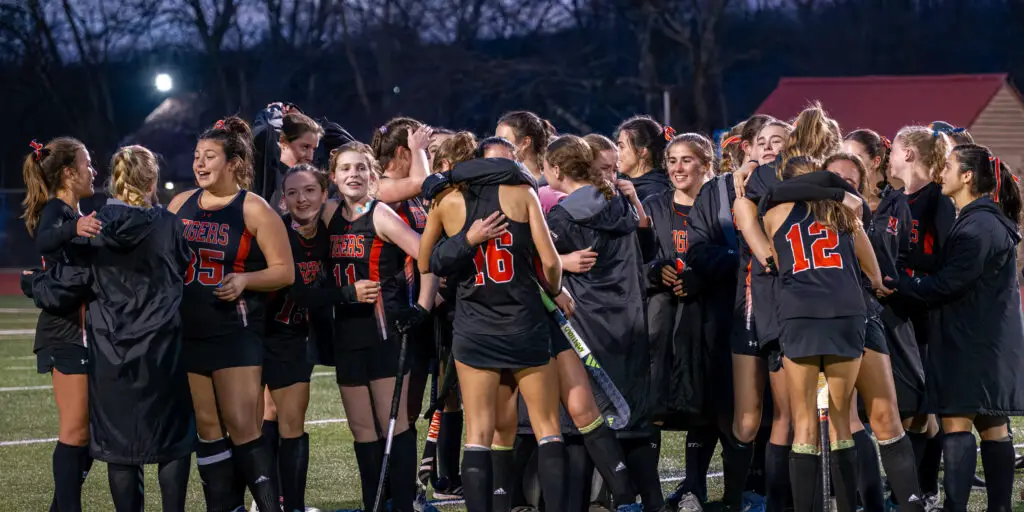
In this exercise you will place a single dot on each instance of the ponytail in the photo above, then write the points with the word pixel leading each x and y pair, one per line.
pixel 43 172
pixel 133 174
pixel 991 176
pixel 1007 192
pixel 236 139
pixel 574 159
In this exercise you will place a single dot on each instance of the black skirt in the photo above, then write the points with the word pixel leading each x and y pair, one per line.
pixel 812 337
pixel 526 349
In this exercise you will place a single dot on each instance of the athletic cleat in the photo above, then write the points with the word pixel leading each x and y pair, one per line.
pixel 978 482
pixel 1018 463
pixel 422 505
pixel 753 502
pixel 931 503
pixel 630 507
pixel 690 503
pixel 451 493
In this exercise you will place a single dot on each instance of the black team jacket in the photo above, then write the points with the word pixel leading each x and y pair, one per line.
pixel 140 409
pixel 974 363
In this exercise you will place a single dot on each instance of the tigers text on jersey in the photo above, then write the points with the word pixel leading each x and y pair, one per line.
pixel 500 295
pixel 680 225
pixel 284 316
pixel 221 245
pixel 819 273
pixel 357 253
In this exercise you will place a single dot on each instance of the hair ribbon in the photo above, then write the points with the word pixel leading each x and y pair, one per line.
pixel 219 125
pixel 670 133
pixel 886 142
pixel 37 148
pixel 998 170
pixel 730 141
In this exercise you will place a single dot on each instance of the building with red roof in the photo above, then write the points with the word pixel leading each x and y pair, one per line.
pixel 987 105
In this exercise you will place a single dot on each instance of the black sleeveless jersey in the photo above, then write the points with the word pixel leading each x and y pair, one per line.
pixel 932 217
pixel 285 318
pixel 414 215
pixel 499 295
pixel 358 253
pixel 819 274
pixel 680 226
pixel 220 245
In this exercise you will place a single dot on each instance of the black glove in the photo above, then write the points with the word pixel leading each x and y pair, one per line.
pixel 26 281
pixel 411 318
pixel 434 184
pixel 654 272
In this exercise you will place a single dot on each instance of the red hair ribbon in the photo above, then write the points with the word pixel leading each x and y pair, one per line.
pixel 670 133
pixel 730 141
pixel 219 125
pixel 37 148
pixel 886 142
pixel 998 169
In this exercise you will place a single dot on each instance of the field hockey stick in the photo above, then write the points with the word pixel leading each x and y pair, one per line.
pixel 446 388
pixel 609 399
pixel 826 481
pixel 393 417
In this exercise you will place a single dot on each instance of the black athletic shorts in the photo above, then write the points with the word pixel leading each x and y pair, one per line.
pixel 527 349
pixel 811 337
pixel 874 336
pixel 559 343
pixel 203 356
pixel 64 357
pixel 743 337
pixel 358 367
pixel 286 361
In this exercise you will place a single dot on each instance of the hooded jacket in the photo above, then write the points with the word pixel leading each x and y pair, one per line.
pixel 610 297
pixel 653 183
pixel 974 362
pixel 140 409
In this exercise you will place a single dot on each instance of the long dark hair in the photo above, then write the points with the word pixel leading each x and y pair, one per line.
pixel 43 172
pixel 235 137
pixel 991 176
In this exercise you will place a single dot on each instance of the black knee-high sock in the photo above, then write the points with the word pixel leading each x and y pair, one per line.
pixel 449 447
pixel 606 452
pixel 642 457
pixel 551 470
pixel 254 462
pixel 869 474
pixel 997 459
pixel 776 476
pixel 217 473
pixel 755 475
pixel 524 463
pixel 173 478
pixel 126 488
pixel 699 442
pixel 803 469
pixel 428 463
pixel 293 465
pixel 478 479
pixel 70 466
pixel 961 461
pixel 369 457
pixel 740 456
pixel 503 479
pixel 579 474
pixel 918 441
pixel 272 435
pixel 844 478
pixel 402 471
pixel 901 471
pixel 237 488
pixel 928 471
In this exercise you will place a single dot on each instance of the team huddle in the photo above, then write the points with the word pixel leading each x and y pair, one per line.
pixel 560 299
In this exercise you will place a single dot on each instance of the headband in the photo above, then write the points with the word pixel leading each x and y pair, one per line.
pixel 730 141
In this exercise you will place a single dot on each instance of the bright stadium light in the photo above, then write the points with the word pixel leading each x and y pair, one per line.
pixel 169 185
pixel 163 82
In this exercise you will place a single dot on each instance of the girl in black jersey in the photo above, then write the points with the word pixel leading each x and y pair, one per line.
pixel 369 241
pixel 822 317
pixel 131 276
pixel 873 151
pixel 239 253
pixel 57 176
pixel 642 142
pixel 502 339
pixel 918 155
pixel 875 381
pixel 680 355
pixel 286 363
pixel 974 377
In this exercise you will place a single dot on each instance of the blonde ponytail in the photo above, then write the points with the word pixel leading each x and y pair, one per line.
pixel 133 173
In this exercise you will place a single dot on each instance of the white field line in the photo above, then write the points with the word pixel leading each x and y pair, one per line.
pixel 18 311
pixel 24 388
pixel 17 332
pixel 35 388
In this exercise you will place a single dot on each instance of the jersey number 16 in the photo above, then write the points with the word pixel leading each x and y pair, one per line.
pixel 494 260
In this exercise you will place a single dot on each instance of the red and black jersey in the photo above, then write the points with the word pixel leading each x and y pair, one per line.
pixel 680 228
pixel 499 296
pixel 932 216
pixel 819 274
pixel 286 316
pixel 220 245
pixel 357 252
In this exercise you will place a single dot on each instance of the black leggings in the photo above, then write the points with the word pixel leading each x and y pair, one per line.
pixel 126 485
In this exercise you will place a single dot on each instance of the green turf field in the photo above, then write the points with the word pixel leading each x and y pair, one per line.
pixel 28 427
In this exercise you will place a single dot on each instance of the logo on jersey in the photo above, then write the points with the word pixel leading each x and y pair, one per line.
pixel 893 227
pixel 418 217
pixel 309 270
pixel 347 246
pixel 679 237
pixel 206 232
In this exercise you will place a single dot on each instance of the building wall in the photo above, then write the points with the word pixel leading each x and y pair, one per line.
pixel 1000 126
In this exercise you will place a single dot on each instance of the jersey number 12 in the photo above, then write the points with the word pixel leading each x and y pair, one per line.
pixel 494 260
pixel 822 248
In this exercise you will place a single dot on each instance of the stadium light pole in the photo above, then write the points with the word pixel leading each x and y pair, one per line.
pixel 163 82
